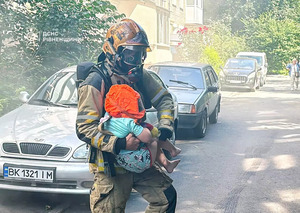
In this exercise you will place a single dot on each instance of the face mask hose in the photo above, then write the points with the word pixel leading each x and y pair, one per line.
pixel 135 74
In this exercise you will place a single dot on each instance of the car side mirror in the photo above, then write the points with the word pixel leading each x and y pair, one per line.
pixel 212 89
pixel 24 96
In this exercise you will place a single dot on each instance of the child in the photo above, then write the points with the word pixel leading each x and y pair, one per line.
pixel 124 109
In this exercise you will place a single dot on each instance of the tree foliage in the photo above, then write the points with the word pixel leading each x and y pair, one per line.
pixel 39 37
pixel 213 45
pixel 270 26
pixel 276 32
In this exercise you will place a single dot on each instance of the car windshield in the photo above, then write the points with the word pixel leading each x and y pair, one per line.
pixel 180 76
pixel 58 90
pixel 240 64
pixel 258 58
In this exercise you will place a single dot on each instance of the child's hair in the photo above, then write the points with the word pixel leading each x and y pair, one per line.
pixel 122 101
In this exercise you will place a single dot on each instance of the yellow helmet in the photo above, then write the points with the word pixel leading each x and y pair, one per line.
pixel 125 33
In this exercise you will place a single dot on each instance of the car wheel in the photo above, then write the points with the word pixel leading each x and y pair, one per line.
pixel 200 129
pixel 213 118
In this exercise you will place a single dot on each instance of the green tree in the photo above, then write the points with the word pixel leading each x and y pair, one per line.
pixel 270 26
pixel 276 33
pixel 39 37
pixel 232 12
pixel 213 45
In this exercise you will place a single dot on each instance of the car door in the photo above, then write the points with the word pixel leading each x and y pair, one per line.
pixel 207 95
pixel 211 80
pixel 216 95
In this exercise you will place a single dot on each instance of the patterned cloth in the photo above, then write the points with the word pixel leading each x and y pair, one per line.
pixel 134 161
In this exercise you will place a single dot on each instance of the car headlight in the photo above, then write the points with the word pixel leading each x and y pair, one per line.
pixel 186 108
pixel 81 152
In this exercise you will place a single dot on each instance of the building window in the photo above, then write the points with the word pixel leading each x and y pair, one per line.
pixel 196 3
pixel 162 3
pixel 163 28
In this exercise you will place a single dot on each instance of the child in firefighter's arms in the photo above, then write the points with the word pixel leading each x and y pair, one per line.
pixel 124 110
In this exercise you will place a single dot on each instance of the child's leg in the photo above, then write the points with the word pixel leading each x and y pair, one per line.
pixel 153 150
pixel 159 156
pixel 163 160
pixel 167 145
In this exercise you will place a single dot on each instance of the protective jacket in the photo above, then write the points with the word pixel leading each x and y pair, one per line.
pixel 92 93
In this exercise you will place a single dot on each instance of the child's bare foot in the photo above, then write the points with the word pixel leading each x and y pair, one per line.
pixel 175 152
pixel 171 166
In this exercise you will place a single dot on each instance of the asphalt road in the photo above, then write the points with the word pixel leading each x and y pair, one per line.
pixel 247 163
pixel 249 160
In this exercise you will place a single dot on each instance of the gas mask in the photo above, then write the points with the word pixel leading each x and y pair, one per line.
pixel 131 62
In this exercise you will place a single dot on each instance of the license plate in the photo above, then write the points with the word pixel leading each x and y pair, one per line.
pixel 29 173
pixel 235 82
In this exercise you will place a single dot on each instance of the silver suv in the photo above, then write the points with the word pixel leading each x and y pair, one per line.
pixel 261 60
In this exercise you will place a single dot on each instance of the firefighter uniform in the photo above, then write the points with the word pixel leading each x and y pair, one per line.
pixel 112 183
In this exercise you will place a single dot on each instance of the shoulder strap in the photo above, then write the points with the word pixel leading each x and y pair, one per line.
pixel 141 87
pixel 98 68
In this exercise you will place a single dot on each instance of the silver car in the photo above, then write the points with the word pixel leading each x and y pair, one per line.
pixel 39 148
pixel 241 73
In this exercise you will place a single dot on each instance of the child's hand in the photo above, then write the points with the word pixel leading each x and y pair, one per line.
pixel 132 143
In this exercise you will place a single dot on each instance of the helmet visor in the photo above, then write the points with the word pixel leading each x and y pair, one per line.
pixel 133 55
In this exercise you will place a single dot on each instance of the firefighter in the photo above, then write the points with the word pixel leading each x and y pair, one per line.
pixel 121 62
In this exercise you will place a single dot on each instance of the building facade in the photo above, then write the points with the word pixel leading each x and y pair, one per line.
pixel 161 19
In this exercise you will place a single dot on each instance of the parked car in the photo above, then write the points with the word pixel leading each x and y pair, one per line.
pixel 242 73
pixel 196 87
pixel 261 60
pixel 39 148
pixel 152 113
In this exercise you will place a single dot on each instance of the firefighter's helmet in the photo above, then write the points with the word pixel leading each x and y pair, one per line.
pixel 126 48
pixel 125 33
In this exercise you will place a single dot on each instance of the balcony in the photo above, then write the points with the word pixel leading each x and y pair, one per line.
pixel 194 15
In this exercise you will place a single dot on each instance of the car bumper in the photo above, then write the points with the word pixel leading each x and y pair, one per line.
pixel 188 121
pixel 70 177
pixel 248 84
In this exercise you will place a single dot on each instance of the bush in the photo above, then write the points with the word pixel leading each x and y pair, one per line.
pixel 212 45
pixel 40 37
